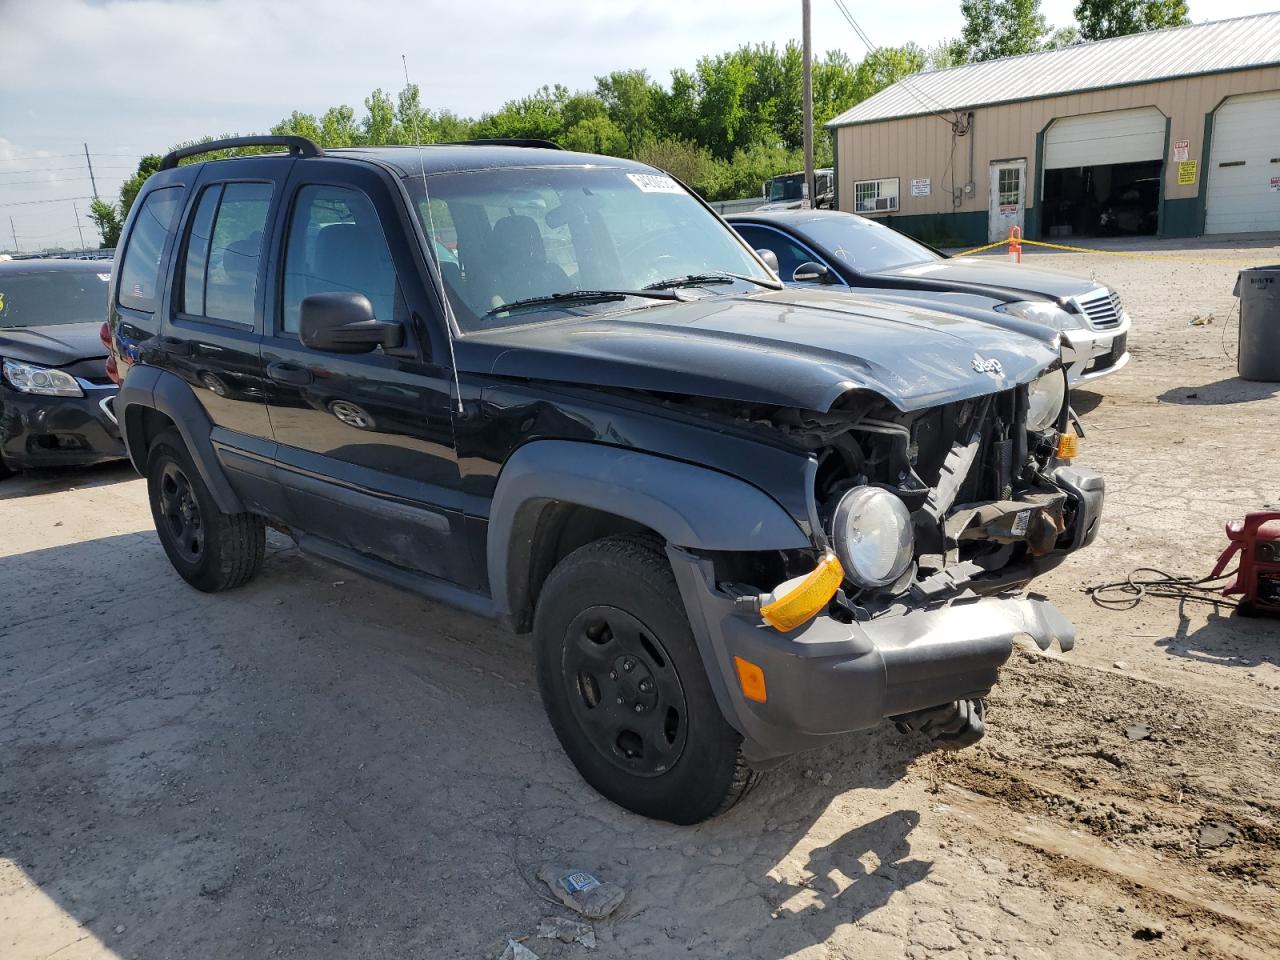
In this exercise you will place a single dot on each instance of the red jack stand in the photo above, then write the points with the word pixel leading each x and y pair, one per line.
pixel 1257 539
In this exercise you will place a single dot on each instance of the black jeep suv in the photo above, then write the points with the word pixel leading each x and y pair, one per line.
pixel 556 389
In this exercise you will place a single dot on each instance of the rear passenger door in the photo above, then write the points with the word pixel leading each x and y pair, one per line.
pixel 212 338
pixel 365 441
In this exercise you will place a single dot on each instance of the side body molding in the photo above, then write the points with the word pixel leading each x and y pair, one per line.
pixel 689 506
pixel 148 388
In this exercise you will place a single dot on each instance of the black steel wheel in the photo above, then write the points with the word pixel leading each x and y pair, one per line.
pixel 181 512
pixel 630 701
pixel 625 688
pixel 211 550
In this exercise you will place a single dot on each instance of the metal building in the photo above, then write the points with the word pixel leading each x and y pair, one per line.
pixel 1173 132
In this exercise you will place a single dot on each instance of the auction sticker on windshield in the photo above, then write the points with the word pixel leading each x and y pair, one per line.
pixel 654 183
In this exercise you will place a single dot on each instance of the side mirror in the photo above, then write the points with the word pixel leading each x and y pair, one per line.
pixel 339 322
pixel 810 272
pixel 770 259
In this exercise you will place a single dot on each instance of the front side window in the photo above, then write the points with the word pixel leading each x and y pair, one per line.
pixel 140 280
pixel 42 297
pixel 863 244
pixel 875 196
pixel 336 243
pixel 518 233
pixel 789 253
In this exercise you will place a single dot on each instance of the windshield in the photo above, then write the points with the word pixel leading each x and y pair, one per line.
pixel 520 233
pixel 790 187
pixel 37 299
pixel 865 245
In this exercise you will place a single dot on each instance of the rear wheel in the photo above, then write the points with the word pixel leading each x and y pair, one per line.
pixel 211 550
pixel 625 687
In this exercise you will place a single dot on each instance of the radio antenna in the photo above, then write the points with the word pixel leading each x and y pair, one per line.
pixel 451 321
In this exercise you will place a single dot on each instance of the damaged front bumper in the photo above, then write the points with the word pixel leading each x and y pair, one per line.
pixel 830 677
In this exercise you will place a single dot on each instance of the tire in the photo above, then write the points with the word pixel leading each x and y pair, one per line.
pixel 610 626
pixel 211 550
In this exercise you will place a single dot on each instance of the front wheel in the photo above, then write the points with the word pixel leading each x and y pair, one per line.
pixel 625 687
pixel 212 550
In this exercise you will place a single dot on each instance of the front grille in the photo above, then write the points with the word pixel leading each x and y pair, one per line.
pixel 1102 308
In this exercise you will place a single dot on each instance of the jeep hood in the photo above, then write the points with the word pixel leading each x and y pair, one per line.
pixel 791 347
pixel 1004 280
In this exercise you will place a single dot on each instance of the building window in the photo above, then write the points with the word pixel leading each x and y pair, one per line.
pixel 875 196
pixel 1009 186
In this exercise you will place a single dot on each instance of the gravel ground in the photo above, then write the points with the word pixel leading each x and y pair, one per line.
pixel 318 766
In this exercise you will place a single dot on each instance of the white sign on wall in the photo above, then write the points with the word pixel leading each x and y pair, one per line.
pixel 1181 148
pixel 921 187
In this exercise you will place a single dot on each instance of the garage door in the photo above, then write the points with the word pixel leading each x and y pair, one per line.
pixel 1244 166
pixel 1095 139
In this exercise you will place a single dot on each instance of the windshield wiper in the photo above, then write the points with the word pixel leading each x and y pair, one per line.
pixel 582 296
pixel 703 279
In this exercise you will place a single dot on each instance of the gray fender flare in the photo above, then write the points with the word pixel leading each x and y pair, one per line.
pixel 689 506
pixel 149 388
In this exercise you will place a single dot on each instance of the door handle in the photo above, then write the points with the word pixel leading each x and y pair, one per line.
pixel 288 373
pixel 176 347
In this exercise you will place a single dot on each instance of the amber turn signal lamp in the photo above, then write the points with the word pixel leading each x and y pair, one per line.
pixel 1068 446
pixel 750 679
pixel 798 601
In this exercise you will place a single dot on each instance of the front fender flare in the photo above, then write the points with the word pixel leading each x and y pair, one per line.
pixel 687 505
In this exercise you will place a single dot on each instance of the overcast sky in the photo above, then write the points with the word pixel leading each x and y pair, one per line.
pixel 136 76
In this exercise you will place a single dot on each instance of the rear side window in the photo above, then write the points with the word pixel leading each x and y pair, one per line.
pixel 336 244
pixel 224 247
pixel 140 280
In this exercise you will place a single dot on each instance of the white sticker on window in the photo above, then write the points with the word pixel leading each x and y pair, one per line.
pixel 104 277
pixel 654 183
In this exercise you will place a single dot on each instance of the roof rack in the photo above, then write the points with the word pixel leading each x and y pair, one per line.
pixel 506 142
pixel 298 147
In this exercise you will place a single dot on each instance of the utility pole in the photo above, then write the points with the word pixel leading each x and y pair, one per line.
pixel 90 163
pixel 14 231
pixel 78 230
pixel 809 185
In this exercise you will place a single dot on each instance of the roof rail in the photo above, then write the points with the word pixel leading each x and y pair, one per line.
pixel 506 142
pixel 298 147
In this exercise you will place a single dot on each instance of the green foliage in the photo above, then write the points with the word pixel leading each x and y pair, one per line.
pixel 1100 19
pixel 1002 28
pixel 106 216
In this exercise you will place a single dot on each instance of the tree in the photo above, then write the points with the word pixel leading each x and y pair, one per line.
pixel 595 135
pixel 1002 28
pixel 1100 19
pixel 106 217
pixel 628 96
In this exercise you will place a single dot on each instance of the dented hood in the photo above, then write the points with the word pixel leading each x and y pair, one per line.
pixel 801 348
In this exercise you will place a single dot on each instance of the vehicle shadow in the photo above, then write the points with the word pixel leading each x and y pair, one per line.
pixel 1230 390
pixel 316 765
pixel 1084 401
pixel 1226 640
pixel 31 483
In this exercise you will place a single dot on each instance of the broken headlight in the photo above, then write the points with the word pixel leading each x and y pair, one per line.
pixel 1045 398
pixel 871 531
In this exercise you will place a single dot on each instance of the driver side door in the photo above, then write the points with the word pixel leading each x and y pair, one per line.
pixel 365 440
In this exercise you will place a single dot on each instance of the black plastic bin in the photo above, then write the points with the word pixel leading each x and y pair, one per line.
pixel 1259 291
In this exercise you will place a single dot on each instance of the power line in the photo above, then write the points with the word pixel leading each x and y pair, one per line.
pixel 27 203
pixel 101 166
pixel 60 156
pixel 917 95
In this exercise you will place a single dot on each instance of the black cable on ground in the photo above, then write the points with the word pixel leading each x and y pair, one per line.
pixel 1128 593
